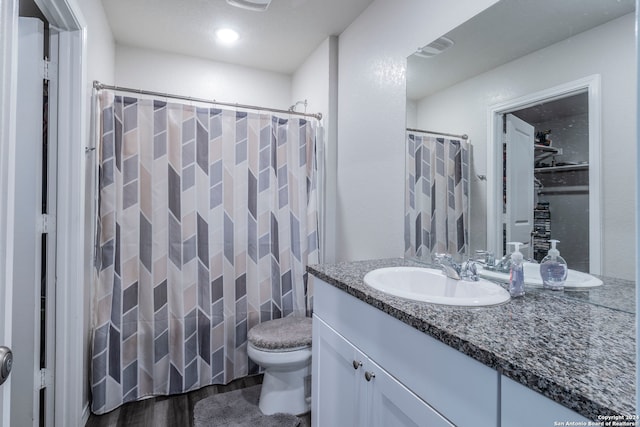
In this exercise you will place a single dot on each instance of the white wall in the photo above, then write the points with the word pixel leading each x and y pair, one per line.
pixel 608 50
pixel 100 44
pixel 100 66
pixel 316 80
pixel 371 117
pixel 200 78
pixel 311 80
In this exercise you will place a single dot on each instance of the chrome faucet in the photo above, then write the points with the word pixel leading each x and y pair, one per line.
pixel 450 268
pixel 489 262
pixel 453 270
pixel 504 265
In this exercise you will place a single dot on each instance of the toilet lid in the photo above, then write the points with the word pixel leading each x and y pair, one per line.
pixel 282 334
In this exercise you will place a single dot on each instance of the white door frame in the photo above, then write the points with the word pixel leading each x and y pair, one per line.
pixel 591 85
pixel 72 131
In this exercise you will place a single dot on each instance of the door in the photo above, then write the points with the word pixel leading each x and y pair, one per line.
pixel 28 243
pixel 392 404
pixel 336 379
pixel 519 140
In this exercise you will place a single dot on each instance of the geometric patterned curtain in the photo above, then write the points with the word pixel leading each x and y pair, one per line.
pixel 437 197
pixel 207 220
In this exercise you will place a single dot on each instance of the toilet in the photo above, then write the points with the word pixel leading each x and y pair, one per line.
pixel 283 348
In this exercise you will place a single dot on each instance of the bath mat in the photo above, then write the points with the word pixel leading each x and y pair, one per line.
pixel 238 408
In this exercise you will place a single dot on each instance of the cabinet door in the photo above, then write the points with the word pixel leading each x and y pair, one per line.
pixel 336 381
pixel 392 404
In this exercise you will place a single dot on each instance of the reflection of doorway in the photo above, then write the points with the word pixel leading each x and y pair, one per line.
pixel 561 177
pixel 572 188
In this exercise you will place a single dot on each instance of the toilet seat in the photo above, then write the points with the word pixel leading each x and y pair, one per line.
pixel 285 334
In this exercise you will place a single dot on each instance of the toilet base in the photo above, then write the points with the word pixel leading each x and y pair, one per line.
pixel 285 391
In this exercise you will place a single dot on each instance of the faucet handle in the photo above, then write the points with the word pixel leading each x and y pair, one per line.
pixel 469 270
pixel 485 257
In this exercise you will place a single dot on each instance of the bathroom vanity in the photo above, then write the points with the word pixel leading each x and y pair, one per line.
pixel 379 360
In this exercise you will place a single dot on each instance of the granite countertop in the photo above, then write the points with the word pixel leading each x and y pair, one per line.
pixel 580 354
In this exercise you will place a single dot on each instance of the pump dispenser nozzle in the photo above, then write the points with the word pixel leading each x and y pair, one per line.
pixel 553 252
pixel 516 255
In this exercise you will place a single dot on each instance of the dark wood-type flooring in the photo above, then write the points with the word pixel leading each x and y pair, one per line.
pixel 171 411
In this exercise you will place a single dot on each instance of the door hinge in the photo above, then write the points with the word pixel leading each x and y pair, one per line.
pixel 47 223
pixel 45 378
pixel 48 69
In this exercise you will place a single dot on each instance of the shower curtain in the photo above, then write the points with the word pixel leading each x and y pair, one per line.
pixel 207 219
pixel 437 199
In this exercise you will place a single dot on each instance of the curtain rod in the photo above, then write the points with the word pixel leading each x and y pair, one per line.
pixel 99 86
pixel 463 136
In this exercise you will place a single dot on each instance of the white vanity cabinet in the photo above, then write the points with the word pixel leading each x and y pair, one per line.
pixel 352 390
pixel 418 380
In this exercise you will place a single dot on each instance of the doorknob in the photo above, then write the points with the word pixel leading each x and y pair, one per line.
pixel 6 361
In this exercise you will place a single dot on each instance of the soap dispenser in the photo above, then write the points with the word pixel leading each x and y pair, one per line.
pixel 516 273
pixel 553 269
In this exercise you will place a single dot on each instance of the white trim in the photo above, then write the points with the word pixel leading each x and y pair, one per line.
pixel 52 192
pixel 8 96
pixel 591 84
pixel 86 413
pixel 70 228
pixel 61 13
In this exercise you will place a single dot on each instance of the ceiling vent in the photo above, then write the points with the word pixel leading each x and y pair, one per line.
pixel 434 48
pixel 255 5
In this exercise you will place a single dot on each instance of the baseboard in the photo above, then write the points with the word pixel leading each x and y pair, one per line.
pixel 86 412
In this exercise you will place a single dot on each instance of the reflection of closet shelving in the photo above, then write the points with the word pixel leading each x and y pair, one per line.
pixel 563 168
pixel 565 189
pixel 542 152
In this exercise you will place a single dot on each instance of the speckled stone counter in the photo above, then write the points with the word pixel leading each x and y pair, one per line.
pixel 580 354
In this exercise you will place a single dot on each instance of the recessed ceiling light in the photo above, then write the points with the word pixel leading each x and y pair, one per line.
pixel 227 35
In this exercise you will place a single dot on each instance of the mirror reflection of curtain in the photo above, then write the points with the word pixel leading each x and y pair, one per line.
pixel 207 220
pixel 437 198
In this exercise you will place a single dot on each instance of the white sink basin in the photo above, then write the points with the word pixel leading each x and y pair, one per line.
pixel 575 279
pixel 431 285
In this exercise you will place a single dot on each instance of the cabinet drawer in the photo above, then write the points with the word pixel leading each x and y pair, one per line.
pixel 350 389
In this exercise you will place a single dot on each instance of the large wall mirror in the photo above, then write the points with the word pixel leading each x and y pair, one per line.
pixel 560 77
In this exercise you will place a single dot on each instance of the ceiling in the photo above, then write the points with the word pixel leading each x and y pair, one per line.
pixel 506 31
pixel 278 39
pixel 569 106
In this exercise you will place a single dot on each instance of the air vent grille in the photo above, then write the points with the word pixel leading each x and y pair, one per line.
pixel 435 47
pixel 256 5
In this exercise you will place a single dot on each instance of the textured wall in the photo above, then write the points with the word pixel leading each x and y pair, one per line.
pixel 200 78
pixel 100 66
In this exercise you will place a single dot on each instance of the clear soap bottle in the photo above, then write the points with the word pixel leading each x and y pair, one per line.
pixel 516 273
pixel 553 269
